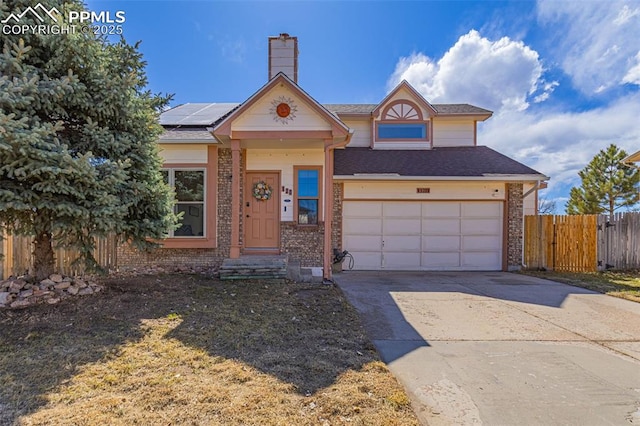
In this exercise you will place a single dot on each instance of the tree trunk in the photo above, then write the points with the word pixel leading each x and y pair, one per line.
pixel 43 259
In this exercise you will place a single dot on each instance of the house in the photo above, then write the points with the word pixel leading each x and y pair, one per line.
pixel 402 184
pixel 631 159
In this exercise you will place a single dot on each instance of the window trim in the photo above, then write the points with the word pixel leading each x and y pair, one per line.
pixel 296 169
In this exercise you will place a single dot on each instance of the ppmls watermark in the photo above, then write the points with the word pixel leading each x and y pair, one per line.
pixel 51 21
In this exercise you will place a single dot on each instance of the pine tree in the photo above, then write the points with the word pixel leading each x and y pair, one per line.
pixel 607 185
pixel 78 153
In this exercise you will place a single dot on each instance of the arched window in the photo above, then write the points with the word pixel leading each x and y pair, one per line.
pixel 402 120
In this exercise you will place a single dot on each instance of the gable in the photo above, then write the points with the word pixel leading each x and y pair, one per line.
pixel 281 110
pixel 262 114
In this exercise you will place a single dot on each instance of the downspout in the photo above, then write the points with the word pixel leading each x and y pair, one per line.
pixel 328 205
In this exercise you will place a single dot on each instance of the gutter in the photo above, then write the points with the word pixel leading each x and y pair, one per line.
pixel 488 177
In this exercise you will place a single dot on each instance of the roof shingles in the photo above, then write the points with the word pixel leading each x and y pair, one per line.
pixel 470 161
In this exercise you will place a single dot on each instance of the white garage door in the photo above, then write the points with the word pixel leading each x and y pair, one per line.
pixel 424 235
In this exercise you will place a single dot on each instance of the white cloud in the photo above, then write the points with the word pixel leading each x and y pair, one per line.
pixel 498 75
pixel 559 144
pixel 633 76
pixel 594 41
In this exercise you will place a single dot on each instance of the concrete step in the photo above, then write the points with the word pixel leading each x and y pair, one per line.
pixel 254 267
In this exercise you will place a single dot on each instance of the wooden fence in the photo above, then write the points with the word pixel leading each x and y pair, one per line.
pixel 17 257
pixel 582 243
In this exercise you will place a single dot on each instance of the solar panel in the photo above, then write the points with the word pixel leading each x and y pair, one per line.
pixel 195 114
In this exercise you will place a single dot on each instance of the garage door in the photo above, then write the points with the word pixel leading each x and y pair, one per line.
pixel 425 235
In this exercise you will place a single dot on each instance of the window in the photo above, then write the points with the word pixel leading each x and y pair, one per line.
pixel 402 120
pixel 402 131
pixel 307 197
pixel 189 186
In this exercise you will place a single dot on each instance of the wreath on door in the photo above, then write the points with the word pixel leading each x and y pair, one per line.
pixel 262 191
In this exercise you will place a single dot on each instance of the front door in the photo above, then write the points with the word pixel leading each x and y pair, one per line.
pixel 262 216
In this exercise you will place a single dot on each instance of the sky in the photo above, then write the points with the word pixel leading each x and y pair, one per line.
pixel 562 77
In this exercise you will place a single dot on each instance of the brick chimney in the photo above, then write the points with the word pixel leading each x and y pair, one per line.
pixel 283 56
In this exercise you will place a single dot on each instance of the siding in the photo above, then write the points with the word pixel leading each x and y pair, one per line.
pixel 453 133
pixel 361 133
pixel 184 153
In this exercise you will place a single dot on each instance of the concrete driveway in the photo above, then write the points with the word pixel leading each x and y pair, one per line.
pixel 503 349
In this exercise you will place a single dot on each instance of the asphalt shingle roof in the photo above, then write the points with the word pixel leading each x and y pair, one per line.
pixel 469 161
pixel 186 133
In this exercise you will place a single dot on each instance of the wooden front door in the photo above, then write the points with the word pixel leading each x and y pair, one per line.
pixel 262 217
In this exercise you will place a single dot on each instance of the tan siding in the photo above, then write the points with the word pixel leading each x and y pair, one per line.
pixel 361 133
pixel 266 159
pixel 259 117
pixel 438 190
pixel 529 202
pixel 453 133
pixel 183 153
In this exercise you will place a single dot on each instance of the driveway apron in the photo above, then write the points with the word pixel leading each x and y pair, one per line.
pixel 498 348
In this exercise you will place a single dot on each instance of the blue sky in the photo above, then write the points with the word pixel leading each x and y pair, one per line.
pixel 562 77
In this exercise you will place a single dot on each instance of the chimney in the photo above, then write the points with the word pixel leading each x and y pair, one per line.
pixel 283 56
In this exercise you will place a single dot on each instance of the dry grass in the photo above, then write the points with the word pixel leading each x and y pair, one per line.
pixel 625 285
pixel 182 349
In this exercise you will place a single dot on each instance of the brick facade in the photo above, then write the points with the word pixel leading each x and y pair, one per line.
pixel 514 226
pixel 129 258
pixel 336 231
pixel 303 244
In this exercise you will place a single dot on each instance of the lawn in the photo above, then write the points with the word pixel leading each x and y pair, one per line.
pixel 184 349
pixel 625 285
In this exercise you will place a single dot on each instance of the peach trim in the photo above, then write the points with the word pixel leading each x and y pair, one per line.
pixel 281 134
pixel 234 251
pixel 320 192
pixel 210 241
pixel 224 128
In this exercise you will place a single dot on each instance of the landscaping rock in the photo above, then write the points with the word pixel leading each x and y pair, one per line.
pixel 21 303
pixel 73 290
pixel 80 283
pixel 47 283
pixel 16 286
pixel 25 293
pixel 4 298
pixel 62 285
pixel 56 278
pixel 85 291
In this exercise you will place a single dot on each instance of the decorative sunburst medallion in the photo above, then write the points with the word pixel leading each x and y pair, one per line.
pixel 283 109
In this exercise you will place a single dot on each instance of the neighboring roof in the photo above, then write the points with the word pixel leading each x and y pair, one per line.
pixel 196 114
pixel 465 109
pixel 635 157
pixel 350 108
pixel 469 161
pixel 186 134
